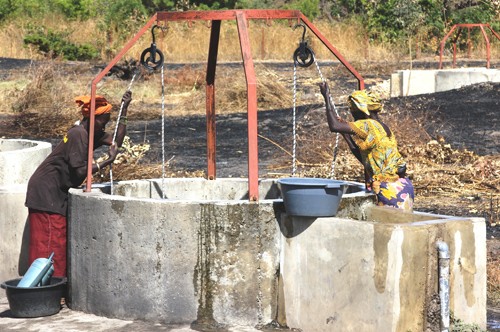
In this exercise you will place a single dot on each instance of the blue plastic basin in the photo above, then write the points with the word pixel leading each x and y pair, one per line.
pixel 311 197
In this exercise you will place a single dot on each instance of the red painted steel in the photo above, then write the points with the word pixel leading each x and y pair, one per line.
pixel 482 26
pixel 210 98
pixel 253 159
pixel 336 53
pixel 224 15
pixel 214 19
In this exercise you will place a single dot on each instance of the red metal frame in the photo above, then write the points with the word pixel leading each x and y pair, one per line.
pixel 215 18
pixel 469 26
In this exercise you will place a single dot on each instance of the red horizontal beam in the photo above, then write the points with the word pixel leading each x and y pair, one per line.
pixel 221 15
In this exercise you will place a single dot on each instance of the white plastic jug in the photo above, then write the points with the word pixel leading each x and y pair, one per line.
pixel 39 273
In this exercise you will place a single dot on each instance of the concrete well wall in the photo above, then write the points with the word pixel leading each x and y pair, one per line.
pixel 380 273
pixel 18 160
pixel 207 255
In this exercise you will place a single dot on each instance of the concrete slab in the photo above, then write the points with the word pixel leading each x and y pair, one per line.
pixel 416 82
pixel 75 321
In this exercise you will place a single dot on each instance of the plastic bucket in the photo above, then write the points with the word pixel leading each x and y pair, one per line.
pixel 27 302
pixel 311 197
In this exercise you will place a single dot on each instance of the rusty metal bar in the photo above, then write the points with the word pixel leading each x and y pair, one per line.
pixel 253 158
pixel 210 98
pixel 93 89
pixel 222 15
pixel 459 32
pixel 468 26
pixel 488 54
pixel 215 17
pixel 443 42
pixel 493 31
pixel 335 52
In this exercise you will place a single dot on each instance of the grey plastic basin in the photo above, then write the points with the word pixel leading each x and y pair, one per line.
pixel 312 197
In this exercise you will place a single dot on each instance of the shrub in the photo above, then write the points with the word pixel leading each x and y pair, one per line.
pixel 55 44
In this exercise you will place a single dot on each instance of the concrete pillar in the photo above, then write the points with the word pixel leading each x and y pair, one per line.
pixel 18 160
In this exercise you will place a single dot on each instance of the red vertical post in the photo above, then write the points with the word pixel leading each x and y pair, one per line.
pixel 443 42
pixel 488 54
pixel 210 98
pixel 253 158
pixel 459 31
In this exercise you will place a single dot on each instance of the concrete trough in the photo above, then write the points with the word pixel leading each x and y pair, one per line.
pixel 206 255
pixel 19 158
pixel 416 82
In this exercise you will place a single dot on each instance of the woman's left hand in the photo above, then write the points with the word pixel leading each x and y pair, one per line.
pixel 325 90
pixel 113 151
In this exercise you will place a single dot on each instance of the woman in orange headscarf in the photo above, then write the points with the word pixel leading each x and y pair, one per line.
pixel 65 168
pixel 375 146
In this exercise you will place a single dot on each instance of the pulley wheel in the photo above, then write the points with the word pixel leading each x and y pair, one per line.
pixel 152 59
pixel 303 58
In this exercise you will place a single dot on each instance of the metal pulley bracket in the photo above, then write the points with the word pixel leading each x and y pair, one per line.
pixel 303 55
pixel 152 58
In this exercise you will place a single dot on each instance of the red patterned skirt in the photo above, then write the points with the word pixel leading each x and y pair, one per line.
pixel 47 235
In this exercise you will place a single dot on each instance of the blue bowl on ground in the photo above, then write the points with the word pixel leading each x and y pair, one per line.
pixel 312 197
pixel 29 302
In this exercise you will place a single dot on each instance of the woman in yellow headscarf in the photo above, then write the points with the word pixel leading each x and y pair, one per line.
pixel 375 146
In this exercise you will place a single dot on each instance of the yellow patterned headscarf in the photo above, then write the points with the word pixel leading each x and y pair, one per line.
pixel 365 101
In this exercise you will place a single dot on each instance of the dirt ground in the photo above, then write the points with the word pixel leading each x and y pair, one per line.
pixel 451 139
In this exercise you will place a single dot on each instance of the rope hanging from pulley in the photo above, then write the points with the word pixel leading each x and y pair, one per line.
pixel 129 88
pixel 152 59
pixel 304 57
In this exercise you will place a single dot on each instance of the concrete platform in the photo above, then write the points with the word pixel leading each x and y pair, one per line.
pixel 75 321
pixel 416 82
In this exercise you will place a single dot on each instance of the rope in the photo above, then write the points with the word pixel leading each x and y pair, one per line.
pixel 116 130
pixel 162 132
pixel 294 159
pixel 337 136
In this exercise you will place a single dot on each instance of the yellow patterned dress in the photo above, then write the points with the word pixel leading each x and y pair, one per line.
pixel 381 159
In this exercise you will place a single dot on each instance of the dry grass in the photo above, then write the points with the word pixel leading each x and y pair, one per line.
pixel 493 279
pixel 41 107
pixel 188 42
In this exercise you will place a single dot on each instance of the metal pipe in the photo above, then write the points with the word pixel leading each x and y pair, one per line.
pixel 253 157
pixel 210 97
pixel 444 284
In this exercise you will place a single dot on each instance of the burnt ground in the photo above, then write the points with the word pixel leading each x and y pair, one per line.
pixel 467 118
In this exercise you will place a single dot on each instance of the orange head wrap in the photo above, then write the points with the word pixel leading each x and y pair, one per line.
pixel 101 105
